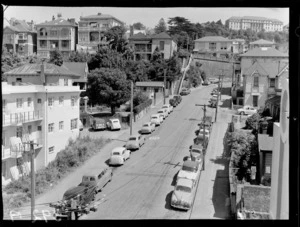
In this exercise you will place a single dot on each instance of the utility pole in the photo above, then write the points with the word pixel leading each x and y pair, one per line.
pixel 165 72
pixel 32 180
pixel 217 99
pixel 131 108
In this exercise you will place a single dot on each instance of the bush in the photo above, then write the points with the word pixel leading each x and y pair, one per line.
pixel 142 106
pixel 172 102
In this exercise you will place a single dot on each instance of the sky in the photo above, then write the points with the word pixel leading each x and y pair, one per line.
pixel 147 16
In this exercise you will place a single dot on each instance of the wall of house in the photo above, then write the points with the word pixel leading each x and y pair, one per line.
pixel 200 45
pixel 167 47
pixel 72 43
pixel 246 62
pixel 261 91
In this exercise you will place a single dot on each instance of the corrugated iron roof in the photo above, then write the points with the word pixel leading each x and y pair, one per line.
pixel 78 68
pixel 264 52
pixel 274 100
pixel 265 142
pixel 262 41
pixel 162 35
pixel 149 84
pixel 101 16
pixel 213 39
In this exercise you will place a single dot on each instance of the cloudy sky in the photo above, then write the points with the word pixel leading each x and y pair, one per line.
pixel 147 16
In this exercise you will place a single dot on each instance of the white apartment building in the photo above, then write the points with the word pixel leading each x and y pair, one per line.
pixel 39 104
pixel 254 23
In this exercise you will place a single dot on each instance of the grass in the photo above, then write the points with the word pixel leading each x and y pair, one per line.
pixel 256 198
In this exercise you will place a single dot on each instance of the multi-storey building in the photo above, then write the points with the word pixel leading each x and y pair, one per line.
pixel 20 37
pixel 261 43
pixel 91 31
pixel 261 69
pixel 39 104
pixel 56 34
pixel 145 45
pixel 254 23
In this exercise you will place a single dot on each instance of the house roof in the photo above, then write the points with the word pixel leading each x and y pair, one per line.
pixel 78 68
pixel 213 39
pixel 149 84
pixel 57 22
pixel 162 35
pixel 264 52
pixel 34 69
pixel 254 18
pixel 265 142
pixel 20 26
pixel 262 41
pixel 275 100
pixel 140 36
pixel 101 16
pixel 272 69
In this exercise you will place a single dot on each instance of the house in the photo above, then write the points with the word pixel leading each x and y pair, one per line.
pixel 265 148
pixel 239 46
pixel 279 202
pixel 154 89
pixel 80 68
pixel 261 69
pixel 217 46
pixel 40 105
pixel 20 37
pixel 91 31
pixel 145 45
pixel 261 43
pixel 56 34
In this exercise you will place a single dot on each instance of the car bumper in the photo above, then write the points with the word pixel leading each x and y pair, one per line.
pixel 145 131
pixel 132 147
pixel 116 161
pixel 179 206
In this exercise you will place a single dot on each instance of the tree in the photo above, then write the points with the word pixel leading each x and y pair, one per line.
pixel 109 87
pixel 161 26
pixel 138 26
pixel 115 37
pixel 56 57
pixel 137 70
pixel 76 56
pixel 194 76
pixel 9 61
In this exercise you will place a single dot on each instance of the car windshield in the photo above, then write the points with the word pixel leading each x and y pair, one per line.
pixel 145 125
pixel 116 153
pixel 189 169
pixel 154 117
pixel 183 188
pixel 160 111
pixel 115 121
pixel 132 138
pixel 196 151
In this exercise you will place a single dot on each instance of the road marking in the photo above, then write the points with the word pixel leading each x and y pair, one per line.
pixel 154 138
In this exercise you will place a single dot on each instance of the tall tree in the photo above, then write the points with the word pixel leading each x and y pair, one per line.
pixel 56 57
pixel 161 26
pixel 138 26
pixel 109 87
pixel 76 56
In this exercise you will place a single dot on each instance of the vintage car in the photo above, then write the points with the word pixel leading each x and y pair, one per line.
pixel 113 124
pixel 177 98
pixel 148 127
pixel 249 110
pixel 119 155
pixel 135 142
pixel 168 107
pixel 98 124
pixel 190 169
pixel 197 153
pixel 183 194
pixel 156 119
pixel 203 133
pixel 164 112
pixel 185 91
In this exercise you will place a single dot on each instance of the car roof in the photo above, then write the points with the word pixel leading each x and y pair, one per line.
pixel 160 110
pixel 185 182
pixel 113 119
pixel 191 164
pixel 118 149
pixel 155 115
pixel 197 146
pixel 148 122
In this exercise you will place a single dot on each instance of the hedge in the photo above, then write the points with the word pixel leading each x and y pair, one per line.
pixel 142 106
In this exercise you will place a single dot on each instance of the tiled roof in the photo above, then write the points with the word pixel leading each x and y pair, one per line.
pixel 49 69
pixel 266 69
pixel 101 16
pixel 162 35
pixel 20 26
pixel 213 39
pixel 78 68
pixel 140 36
pixel 57 22
pixel 149 84
pixel 254 18
pixel 256 67
pixel 265 142
pixel 262 41
pixel 264 52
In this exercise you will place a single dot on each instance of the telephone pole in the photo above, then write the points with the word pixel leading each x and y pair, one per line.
pixel 165 72
pixel 131 108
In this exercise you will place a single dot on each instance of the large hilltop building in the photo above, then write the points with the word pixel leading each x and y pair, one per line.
pixel 254 23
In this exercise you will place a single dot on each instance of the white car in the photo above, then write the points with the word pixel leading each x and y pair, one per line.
pixel 155 118
pixel 113 124
pixel 183 194
pixel 206 133
pixel 168 107
pixel 119 155
pixel 148 127
pixel 164 112
pixel 135 142
pixel 249 110
pixel 190 170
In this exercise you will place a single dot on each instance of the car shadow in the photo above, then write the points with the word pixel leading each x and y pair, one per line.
pixel 226 103
pixel 226 91
pixel 197 132
pixel 168 201
pixel 174 179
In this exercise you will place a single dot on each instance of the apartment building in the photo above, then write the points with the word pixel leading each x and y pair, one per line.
pixel 261 43
pixel 254 23
pixel 20 37
pixel 261 69
pixel 91 31
pixel 145 45
pixel 39 104
pixel 56 34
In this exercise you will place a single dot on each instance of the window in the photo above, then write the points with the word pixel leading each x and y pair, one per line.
pixel 223 46
pixel 65 44
pixel 61 125
pixel 19 132
pixel 43 43
pixel 212 46
pixel 65 82
pixel 272 82
pixel 74 123
pixel 255 100
pixel 51 127
pixel 19 80
pixel 61 100
pixel 3 104
pixel 50 101
pixel 73 100
pixel 39 128
pixel 19 103
pixel 29 102
pixel 161 45
pixel 39 101
pixel 255 82
pixel 51 149
pixel 53 33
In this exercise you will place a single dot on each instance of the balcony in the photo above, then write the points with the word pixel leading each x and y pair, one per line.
pixel 20 118
pixel 7 152
pixel 90 29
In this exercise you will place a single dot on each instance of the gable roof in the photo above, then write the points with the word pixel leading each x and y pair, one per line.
pixel 149 84
pixel 34 69
pixel 78 68
pixel 101 16
pixel 264 52
pixel 213 39
pixel 271 69
pixel 57 22
pixel 140 36
pixel 20 26
pixel 262 41
pixel 162 35
pixel 256 67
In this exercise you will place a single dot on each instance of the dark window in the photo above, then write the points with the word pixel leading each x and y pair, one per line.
pixel 255 82
pixel 272 82
pixel 255 100
pixel 161 45
pixel 19 80
pixel 39 101
pixel 39 128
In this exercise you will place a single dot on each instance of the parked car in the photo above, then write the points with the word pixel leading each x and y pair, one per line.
pixel 206 82
pixel 215 93
pixel 177 98
pixel 97 178
pixel 119 155
pixel 197 153
pixel 213 103
pixel 190 169
pixel 200 140
pixel 185 91
pixel 162 112
pixel 168 107
pixel 214 80
pixel 161 118
pixel 148 127
pixel 156 119
pixel 135 142
pixel 113 124
pixel 249 110
pixel 98 124
pixel 173 102
pixel 206 133
pixel 183 194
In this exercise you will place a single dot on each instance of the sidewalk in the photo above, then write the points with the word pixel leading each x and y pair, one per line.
pixel 43 211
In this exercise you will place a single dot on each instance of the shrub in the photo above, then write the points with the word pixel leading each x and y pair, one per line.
pixel 172 102
pixel 142 106
pixel 252 122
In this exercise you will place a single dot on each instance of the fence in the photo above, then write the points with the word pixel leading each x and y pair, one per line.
pixel 16 118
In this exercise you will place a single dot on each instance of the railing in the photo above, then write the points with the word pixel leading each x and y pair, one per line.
pixel 92 28
pixel 23 117
pixel 9 152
